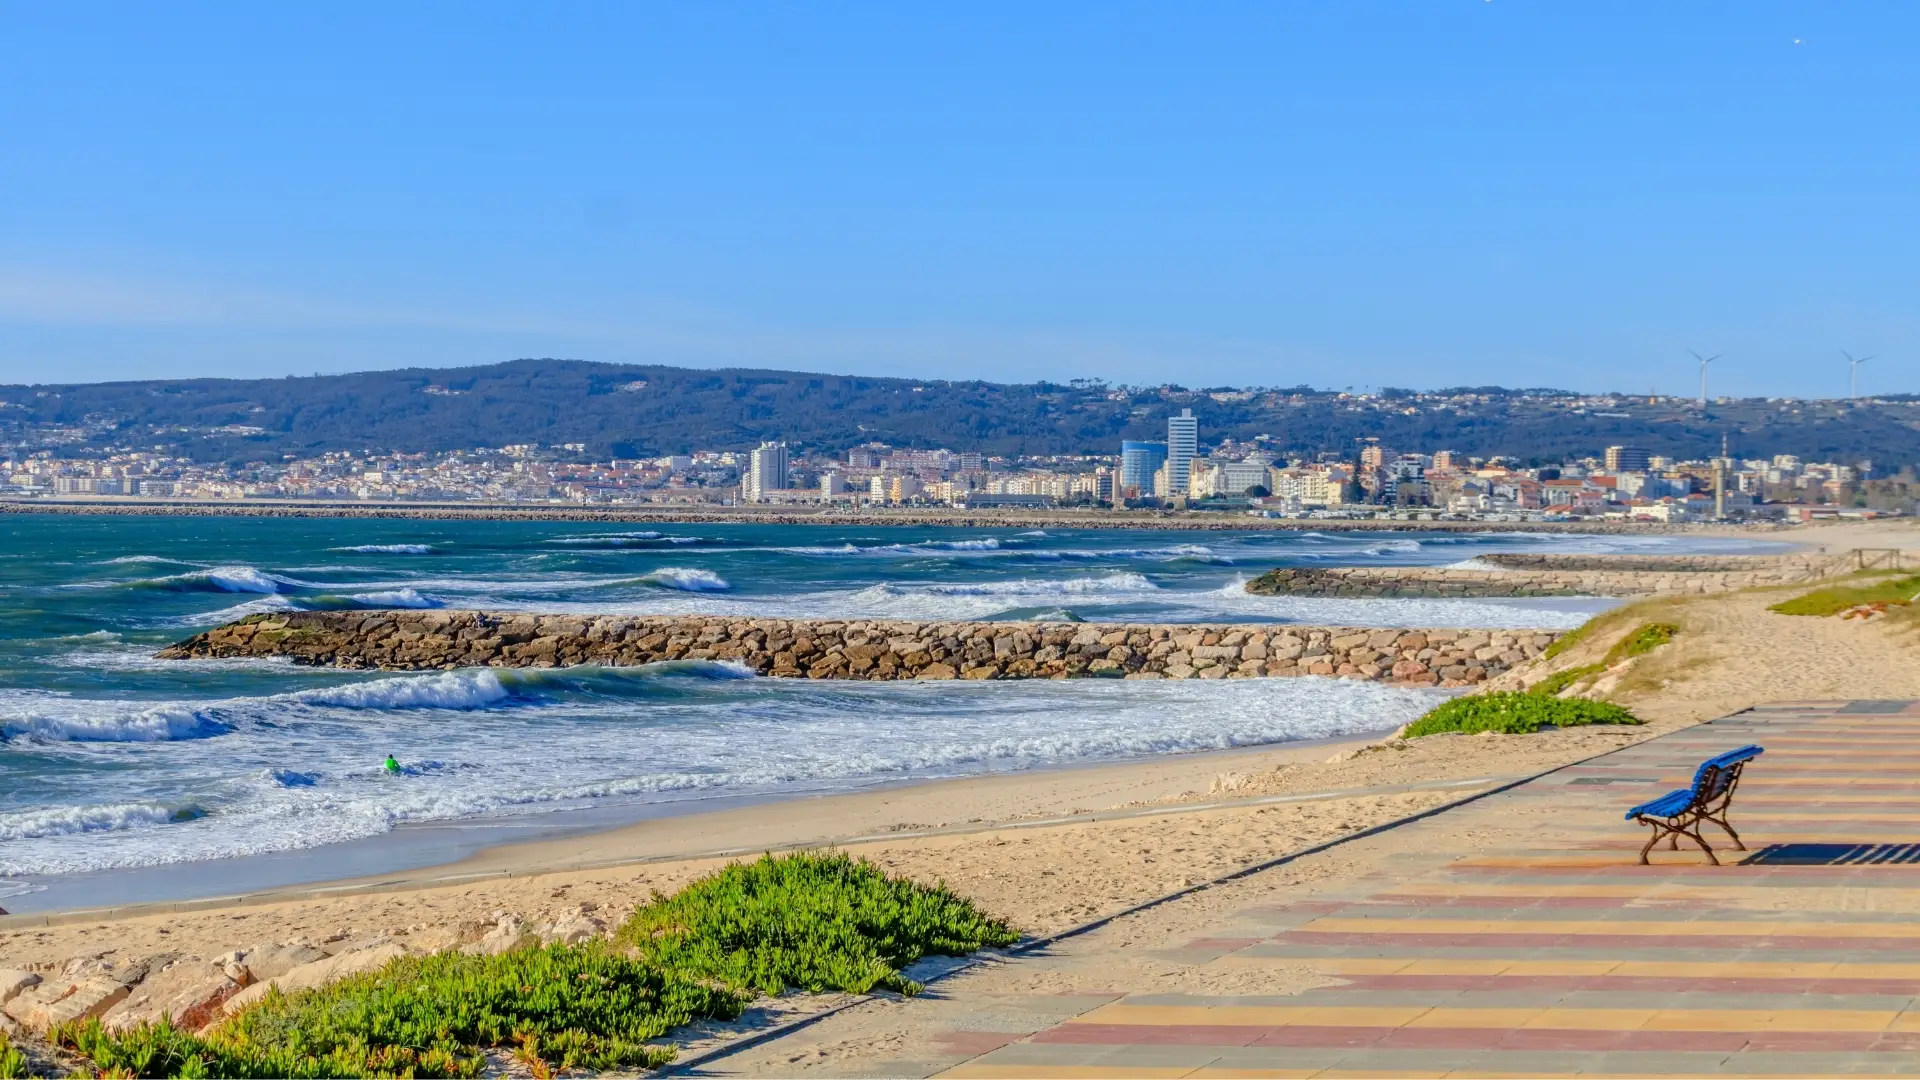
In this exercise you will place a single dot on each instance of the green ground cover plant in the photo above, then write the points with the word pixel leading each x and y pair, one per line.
pixel 1515 714
pixel 1642 641
pixel 13 1063
pixel 808 921
pixel 1835 599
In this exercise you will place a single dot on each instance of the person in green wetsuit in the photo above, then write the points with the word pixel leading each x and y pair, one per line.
pixel 392 765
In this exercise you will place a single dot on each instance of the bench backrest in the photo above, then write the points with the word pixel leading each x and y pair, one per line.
pixel 1717 774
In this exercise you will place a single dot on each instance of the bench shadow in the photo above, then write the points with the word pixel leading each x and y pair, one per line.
pixel 1834 855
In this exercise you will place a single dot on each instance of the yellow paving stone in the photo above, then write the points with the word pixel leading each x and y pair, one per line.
pixel 1591 1019
pixel 1734 969
pixel 1710 1020
pixel 1224 1073
pixel 1435 966
pixel 1444 1017
pixel 1906 1021
pixel 1562 967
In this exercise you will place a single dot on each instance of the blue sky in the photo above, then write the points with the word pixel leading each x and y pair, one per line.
pixel 1419 194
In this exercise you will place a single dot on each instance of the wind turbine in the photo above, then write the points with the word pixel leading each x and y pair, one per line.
pixel 1704 361
pixel 1853 373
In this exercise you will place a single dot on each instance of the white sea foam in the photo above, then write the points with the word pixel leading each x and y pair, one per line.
pixel 143 559
pixel 69 820
pixel 394 598
pixel 470 689
pixel 218 616
pixel 57 717
pixel 388 549
pixel 240 579
pixel 686 579
pixel 625 539
pixel 748 736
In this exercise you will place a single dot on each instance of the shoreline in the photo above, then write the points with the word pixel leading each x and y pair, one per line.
pixel 683 830
pixel 1146 520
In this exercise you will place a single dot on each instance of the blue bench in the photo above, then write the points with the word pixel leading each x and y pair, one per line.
pixel 1679 813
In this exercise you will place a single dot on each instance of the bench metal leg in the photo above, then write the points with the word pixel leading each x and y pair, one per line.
pixel 1651 840
pixel 1728 829
pixel 1671 833
pixel 1702 841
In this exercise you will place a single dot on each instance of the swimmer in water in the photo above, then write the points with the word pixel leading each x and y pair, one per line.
pixel 392 765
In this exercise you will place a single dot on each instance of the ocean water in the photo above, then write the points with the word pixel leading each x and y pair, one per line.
pixel 111 760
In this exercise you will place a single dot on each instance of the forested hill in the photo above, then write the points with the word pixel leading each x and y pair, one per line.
pixel 628 410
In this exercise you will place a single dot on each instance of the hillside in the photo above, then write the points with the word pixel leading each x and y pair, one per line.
pixel 635 410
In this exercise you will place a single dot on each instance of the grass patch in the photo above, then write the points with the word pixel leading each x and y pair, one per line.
pixel 1516 714
pixel 810 922
pixel 1640 642
pixel 815 922
pixel 1835 599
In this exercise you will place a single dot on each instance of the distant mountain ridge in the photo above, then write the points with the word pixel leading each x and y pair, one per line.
pixel 632 410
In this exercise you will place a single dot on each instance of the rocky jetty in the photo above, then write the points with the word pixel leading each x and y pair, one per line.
pixel 1556 575
pixel 870 650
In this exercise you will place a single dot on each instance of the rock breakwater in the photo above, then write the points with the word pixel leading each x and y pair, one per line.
pixel 870 650
pixel 1555 575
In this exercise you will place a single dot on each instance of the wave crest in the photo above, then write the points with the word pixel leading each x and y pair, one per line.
pixel 686 579
pixel 67 821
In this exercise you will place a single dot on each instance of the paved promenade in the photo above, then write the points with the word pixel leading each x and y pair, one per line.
pixel 1800 956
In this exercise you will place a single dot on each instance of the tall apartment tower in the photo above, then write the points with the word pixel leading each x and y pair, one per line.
pixel 1183 441
pixel 1627 459
pixel 766 471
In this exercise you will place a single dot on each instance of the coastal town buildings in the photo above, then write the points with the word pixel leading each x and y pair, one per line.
pixel 1187 472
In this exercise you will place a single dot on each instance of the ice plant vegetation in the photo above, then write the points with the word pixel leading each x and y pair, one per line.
pixel 805 921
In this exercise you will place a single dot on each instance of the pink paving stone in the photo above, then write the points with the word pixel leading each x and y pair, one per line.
pixel 974 1043
pixel 1308 1035
pixel 1228 944
pixel 1153 1034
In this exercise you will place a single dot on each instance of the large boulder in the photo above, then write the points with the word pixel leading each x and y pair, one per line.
pixel 190 990
pixel 53 1003
pixel 317 974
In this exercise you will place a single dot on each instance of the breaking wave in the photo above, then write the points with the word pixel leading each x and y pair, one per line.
pixel 379 598
pixel 686 579
pixel 67 821
pixel 388 549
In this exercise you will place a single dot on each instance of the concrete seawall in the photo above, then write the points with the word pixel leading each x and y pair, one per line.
pixel 871 650
pixel 1557 575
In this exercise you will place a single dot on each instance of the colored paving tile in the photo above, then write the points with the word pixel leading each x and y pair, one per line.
pixel 1566 957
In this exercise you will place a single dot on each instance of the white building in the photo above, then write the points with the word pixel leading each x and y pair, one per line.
pixel 766 471
pixel 1183 442
pixel 1228 478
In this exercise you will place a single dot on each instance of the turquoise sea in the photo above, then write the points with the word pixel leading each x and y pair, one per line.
pixel 110 760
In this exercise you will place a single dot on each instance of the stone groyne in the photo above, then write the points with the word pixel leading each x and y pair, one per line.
pixel 1556 575
pixel 870 650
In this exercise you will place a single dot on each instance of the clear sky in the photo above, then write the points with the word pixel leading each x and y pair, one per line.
pixel 1421 194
